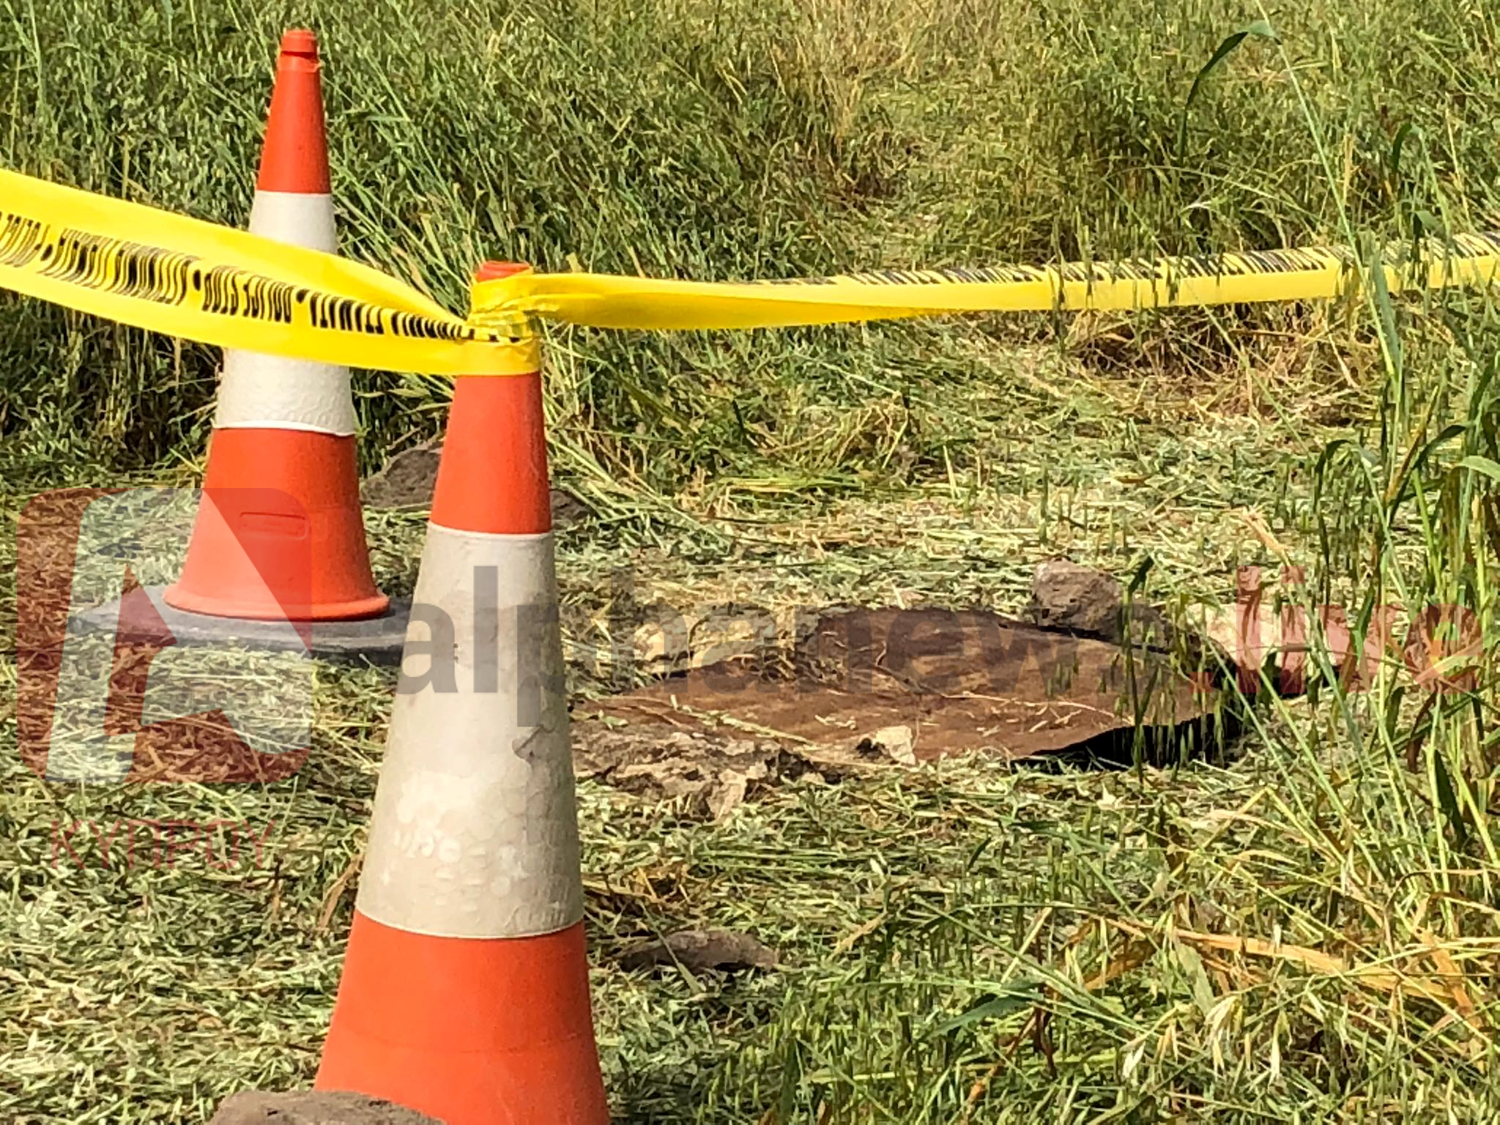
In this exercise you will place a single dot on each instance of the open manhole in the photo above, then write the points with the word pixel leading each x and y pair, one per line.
pixel 900 685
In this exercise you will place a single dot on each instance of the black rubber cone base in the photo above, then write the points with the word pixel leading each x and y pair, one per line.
pixel 377 640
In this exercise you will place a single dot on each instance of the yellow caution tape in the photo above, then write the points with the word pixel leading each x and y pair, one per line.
pixel 184 277
pixel 607 301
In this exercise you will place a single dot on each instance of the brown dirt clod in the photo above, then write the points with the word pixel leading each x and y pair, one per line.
pixel 256 1107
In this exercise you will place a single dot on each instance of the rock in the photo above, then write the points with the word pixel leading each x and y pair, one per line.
pixel 407 479
pixel 1065 595
pixel 255 1107
pixel 729 793
pixel 1082 600
pixel 696 950
pixel 896 743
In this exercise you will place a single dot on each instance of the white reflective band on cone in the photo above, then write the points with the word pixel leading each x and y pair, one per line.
pixel 475 831
pixel 296 218
pixel 268 392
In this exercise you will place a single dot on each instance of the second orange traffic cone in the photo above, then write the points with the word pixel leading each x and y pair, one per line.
pixel 279 532
pixel 465 988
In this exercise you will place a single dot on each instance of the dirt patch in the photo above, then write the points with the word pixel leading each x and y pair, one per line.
pixel 700 950
pixel 960 681
pixel 254 1107
pixel 406 481
pixel 705 771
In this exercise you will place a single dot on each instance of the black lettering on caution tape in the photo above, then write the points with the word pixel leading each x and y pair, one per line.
pixel 165 277
pixel 20 239
pixel 1144 271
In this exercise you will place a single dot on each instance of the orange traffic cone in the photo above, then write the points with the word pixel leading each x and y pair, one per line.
pixel 465 988
pixel 282 479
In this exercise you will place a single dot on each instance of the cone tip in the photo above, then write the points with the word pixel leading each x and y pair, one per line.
pixel 301 42
pixel 494 271
pixel 295 156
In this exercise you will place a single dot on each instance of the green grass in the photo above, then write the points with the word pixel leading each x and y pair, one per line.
pixel 947 933
pixel 724 139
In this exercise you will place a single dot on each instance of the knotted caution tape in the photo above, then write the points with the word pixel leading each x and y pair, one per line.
pixel 184 277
